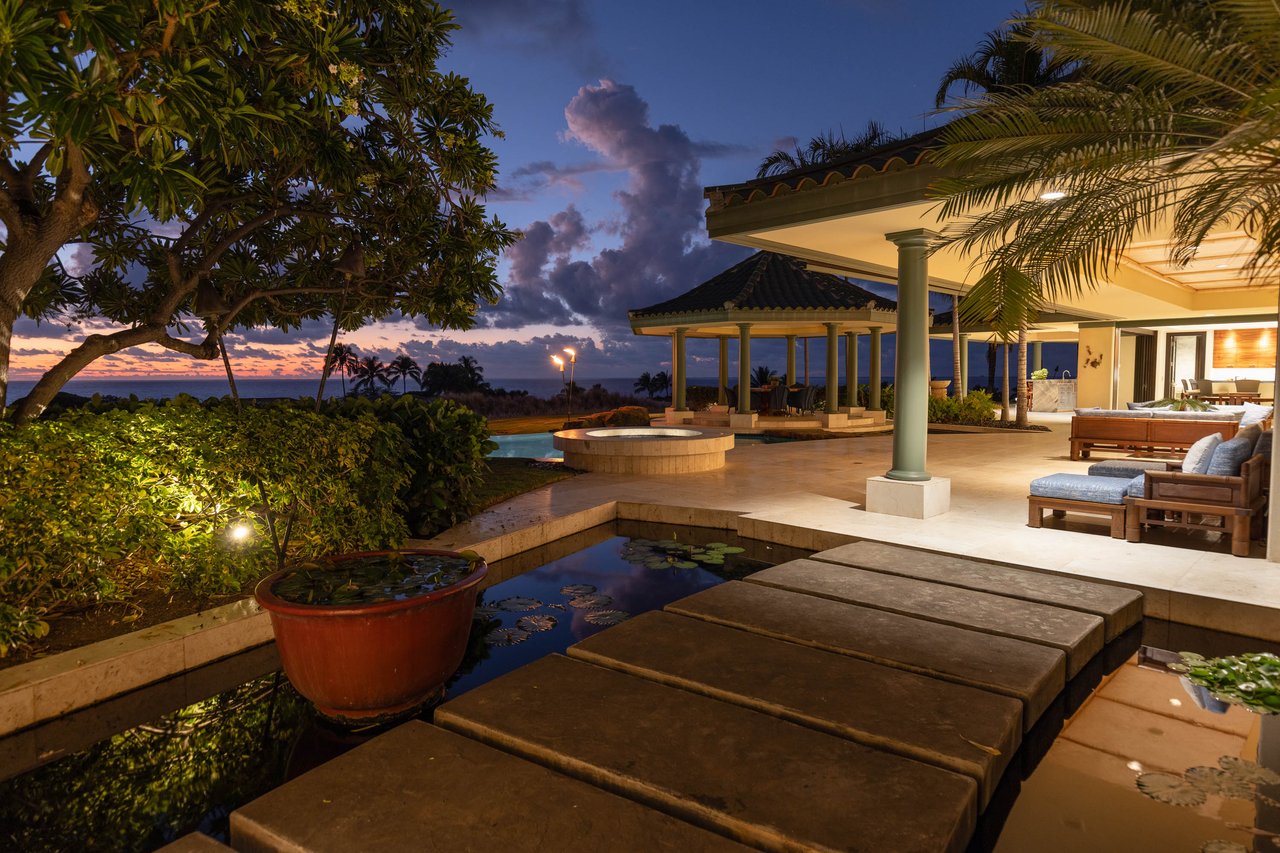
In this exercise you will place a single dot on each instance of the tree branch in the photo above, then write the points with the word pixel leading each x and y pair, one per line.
pixel 243 302
pixel 205 350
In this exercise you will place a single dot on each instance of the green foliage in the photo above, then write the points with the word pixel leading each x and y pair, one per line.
pixel 975 408
pixel 763 375
pixel 886 397
pixel 1042 373
pixel 105 500
pixel 1181 404
pixel 700 397
pixel 444 445
pixel 1251 680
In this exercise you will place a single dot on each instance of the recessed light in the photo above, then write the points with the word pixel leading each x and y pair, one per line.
pixel 1221 266
pixel 1052 195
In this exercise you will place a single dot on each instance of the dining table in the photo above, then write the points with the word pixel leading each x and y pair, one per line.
pixel 1234 398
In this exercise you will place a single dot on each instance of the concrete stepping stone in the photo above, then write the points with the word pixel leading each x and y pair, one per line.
pixel 1119 607
pixel 1030 672
pixel 1079 635
pixel 948 725
pixel 420 788
pixel 767 782
pixel 196 842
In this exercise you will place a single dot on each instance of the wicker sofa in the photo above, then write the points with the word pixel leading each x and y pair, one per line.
pixel 1145 430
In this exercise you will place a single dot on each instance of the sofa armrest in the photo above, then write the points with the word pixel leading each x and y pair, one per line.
pixel 1205 489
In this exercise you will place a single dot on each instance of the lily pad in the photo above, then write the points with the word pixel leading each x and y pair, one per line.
pixel 607 617
pixel 536 624
pixel 732 549
pixel 685 564
pixel 1174 790
pixel 575 589
pixel 506 637
pixel 1219 845
pixel 1248 771
pixel 1213 780
pixel 592 601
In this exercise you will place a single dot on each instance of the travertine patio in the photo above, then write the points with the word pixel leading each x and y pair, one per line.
pixel 820 486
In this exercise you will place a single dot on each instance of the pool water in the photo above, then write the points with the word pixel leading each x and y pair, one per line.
pixel 538 445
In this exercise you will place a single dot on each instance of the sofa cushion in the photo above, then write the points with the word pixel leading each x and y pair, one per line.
pixel 1230 455
pixel 1079 487
pixel 1214 415
pixel 1127 468
pixel 1255 414
pixel 1200 454
pixel 1263 447
pixel 1114 413
pixel 1137 487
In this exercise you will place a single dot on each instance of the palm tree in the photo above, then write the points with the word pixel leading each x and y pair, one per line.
pixel 1174 127
pixel 404 368
pixel 644 383
pixel 956 390
pixel 1005 60
pixel 369 373
pixel 1023 408
pixel 343 359
pixel 825 148
pixel 762 376
pixel 662 382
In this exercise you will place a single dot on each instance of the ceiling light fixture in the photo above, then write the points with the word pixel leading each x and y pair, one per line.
pixel 1052 195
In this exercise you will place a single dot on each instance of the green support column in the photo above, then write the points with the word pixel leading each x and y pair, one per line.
pixel 911 373
pixel 964 363
pixel 1037 355
pixel 680 372
pixel 873 372
pixel 851 369
pixel 833 368
pixel 723 397
pixel 744 368
pixel 791 360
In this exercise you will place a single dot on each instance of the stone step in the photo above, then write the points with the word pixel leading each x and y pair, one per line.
pixel 1079 635
pixel 764 781
pixel 1032 673
pixel 1119 607
pixel 420 788
pixel 958 728
pixel 196 842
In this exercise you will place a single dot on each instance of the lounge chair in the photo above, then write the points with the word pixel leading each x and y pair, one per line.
pixel 778 399
pixel 731 397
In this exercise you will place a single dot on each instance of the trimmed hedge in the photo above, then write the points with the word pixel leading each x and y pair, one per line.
pixel 96 503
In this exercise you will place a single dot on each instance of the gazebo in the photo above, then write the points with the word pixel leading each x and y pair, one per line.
pixel 769 295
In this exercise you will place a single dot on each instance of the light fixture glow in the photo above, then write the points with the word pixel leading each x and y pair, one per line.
pixel 1177 703
pixel 1135 766
pixel 240 531
pixel 573 354
pixel 558 362
pixel 1052 195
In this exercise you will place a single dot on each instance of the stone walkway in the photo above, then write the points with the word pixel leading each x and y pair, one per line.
pixel 823 704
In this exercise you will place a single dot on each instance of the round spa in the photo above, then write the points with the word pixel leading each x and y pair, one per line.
pixel 644 450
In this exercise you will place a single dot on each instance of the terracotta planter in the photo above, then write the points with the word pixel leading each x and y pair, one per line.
pixel 369 662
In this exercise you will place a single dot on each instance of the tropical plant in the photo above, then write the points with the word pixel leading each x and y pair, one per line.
pixel 1006 60
pixel 343 359
pixel 1181 404
pixel 662 383
pixel 644 383
pixel 370 373
pixel 403 368
pixel 1023 412
pixel 1173 127
pixel 763 375
pixel 268 140
pixel 463 376
pixel 826 147
pixel 957 381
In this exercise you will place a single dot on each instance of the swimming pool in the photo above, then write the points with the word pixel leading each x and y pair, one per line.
pixel 538 445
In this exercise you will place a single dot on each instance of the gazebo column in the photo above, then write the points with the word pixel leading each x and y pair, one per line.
pixel 1037 355
pixel 873 375
pixel 851 370
pixel 745 418
pixel 907 489
pixel 791 360
pixel 679 412
pixel 832 416
pixel 964 363
pixel 723 396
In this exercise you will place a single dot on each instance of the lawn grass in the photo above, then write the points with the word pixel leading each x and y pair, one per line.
pixel 510 477
pixel 518 426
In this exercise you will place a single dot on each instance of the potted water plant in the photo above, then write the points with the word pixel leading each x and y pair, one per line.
pixel 368 637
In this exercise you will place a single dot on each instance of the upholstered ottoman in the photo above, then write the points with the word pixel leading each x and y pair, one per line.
pixel 1126 468
pixel 1063 493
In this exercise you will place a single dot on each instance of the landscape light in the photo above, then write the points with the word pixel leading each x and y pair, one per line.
pixel 240 531
pixel 573 355
pixel 1052 195
pixel 558 361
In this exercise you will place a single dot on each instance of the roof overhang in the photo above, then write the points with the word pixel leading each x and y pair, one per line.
pixel 764 323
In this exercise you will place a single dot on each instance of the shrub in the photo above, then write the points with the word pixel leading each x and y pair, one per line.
pixel 701 397
pixel 974 408
pixel 95 502
pixel 627 416
pixel 444 444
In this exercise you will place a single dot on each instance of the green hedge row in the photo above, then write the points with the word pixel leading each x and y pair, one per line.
pixel 102 500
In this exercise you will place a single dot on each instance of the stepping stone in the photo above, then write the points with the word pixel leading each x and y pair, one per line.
pixel 948 725
pixel 1032 673
pixel 1079 635
pixel 196 842
pixel 420 788
pixel 769 783
pixel 1119 607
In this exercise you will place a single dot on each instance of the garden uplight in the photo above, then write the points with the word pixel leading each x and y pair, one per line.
pixel 240 531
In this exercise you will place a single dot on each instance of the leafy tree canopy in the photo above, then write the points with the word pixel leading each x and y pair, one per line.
pixel 235 151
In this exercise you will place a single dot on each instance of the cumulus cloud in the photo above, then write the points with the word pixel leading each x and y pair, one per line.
pixel 662 249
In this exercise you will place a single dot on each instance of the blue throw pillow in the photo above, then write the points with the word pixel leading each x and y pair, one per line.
pixel 1199 454
pixel 1230 455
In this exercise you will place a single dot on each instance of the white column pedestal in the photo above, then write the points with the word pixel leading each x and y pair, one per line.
pixel 747 421
pixel 677 416
pixel 833 420
pixel 922 499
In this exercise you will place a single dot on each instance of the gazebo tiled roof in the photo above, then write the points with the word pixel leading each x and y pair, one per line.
pixel 767 281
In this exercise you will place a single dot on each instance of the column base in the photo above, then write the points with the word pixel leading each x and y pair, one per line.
pixel 677 416
pixel 877 415
pixel 921 499
pixel 743 421
pixel 833 421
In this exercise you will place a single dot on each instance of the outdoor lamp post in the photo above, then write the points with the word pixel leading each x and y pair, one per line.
pixel 559 362
pixel 573 361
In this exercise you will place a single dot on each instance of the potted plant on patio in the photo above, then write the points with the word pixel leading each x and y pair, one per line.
pixel 371 636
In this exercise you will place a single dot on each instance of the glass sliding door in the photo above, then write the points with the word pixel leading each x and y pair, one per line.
pixel 1185 360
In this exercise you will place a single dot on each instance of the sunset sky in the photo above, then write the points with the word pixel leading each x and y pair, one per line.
pixel 616 115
